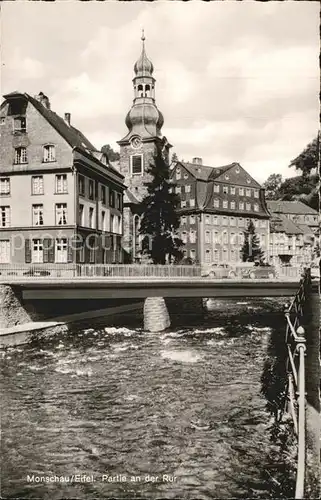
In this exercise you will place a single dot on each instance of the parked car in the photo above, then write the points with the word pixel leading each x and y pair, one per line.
pixel 218 271
pixel 37 272
pixel 260 272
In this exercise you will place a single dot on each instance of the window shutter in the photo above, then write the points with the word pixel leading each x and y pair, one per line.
pixel 46 247
pixel 28 251
pixel 70 257
pixel 51 251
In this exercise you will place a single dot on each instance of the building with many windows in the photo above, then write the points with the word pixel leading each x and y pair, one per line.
pixel 60 199
pixel 217 204
pixel 294 232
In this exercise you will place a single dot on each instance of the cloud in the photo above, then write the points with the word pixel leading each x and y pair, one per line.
pixel 236 81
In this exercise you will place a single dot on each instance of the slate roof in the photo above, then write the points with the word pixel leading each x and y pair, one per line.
pixel 282 224
pixel 204 172
pixel 290 207
pixel 71 134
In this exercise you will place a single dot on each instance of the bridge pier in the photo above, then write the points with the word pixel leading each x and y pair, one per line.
pixel 156 317
pixel 12 312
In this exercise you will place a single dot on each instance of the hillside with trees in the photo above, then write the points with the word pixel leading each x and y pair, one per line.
pixel 303 187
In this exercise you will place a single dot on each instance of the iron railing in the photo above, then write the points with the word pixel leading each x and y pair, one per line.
pixel 295 367
pixel 14 272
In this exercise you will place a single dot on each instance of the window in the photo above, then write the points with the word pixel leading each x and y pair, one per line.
pixel 225 189
pixel 232 221
pixel 263 223
pixel 91 217
pixel 185 176
pixel 187 188
pixel 61 184
pixel 103 194
pixel 225 204
pixel 241 191
pixel 215 220
pixel 5 251
pixel 241 222
pixel 184 237
pixel 207 237
pixel 256 223
pixel 215 238
pixel 81 185
pixel 216 203
pixel 20 155
pixel 49 153
pixel 61 214
pixel 241 238
pixel 215 255
pixel 232 205
pixel 119 200
pixel 183 219
pixel 112 198
pixel 225 237
pixel 91 189
pixel 224 221
pixel 37 186
pixel 248 206
pixel 5 216
pixel 183 203
pixel 216 188
pixel 178 173
pixel 61 250
pixel 19 124
pixel 207 256
pixel 256 193
pixel 248 192
pixel 81 215
pixel 136 164
pixel 192 254
pixel 192 203
pixel 37 251
pixel 192 236
pixel 192 219
pixel 37 215
pixel 207 219
pixel 232 239
pixel 5 186
pixel 256 207
pixel 232 190
pixel 241 205
pixel 178 190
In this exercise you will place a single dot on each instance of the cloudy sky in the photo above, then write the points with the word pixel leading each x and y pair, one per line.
pixel 236 81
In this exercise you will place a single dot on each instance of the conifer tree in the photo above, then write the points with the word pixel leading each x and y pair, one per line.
pixel 160 220
pixel 251 250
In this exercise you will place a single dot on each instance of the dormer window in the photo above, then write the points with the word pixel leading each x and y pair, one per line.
pixel 225 189
pixel 49 153
pixel 178 173
pixel 19 124
pixel 136 164
pixel 20 155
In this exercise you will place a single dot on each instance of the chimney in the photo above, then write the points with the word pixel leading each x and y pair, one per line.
pixel 43 99
pixel 197 161
pixel 67 118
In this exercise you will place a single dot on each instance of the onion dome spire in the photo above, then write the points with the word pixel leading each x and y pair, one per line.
pixel 143 67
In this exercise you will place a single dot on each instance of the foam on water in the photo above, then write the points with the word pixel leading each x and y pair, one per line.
pixel 181 356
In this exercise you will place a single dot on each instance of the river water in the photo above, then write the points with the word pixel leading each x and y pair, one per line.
pixel 171 415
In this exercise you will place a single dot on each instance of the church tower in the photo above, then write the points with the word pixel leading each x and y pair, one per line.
pixel 144 122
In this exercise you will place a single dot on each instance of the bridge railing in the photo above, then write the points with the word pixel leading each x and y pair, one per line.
pixel 295 365
pixel 64 270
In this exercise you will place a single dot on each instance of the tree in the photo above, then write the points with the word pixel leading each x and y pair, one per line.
pixel 160 219
pixel 251 250
pixel 308 159
pixel 272 186
pixel 174 157
pixel 111 154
